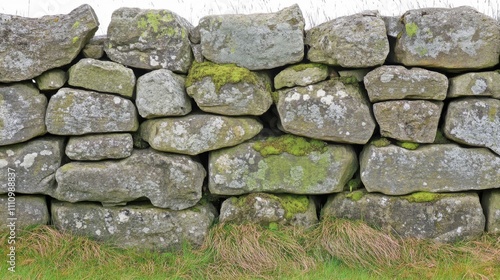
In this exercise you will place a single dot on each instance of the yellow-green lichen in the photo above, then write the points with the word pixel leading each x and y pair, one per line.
pixel 421 197
pixel 411 29
pixel 304 66
pixel 421 50
pixel 221 74
pixel 492 113
pixel 275 96
pixel 75 25
pixel 294 145
pixel 291 203
pixel 75 39
pixel 153 20
pixel 355 195
pixel 381 142
pixel 408 145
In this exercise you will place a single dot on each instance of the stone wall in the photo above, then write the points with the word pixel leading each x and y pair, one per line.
pixel 144 136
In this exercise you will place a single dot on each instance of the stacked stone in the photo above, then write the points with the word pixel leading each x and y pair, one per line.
pixel 236 108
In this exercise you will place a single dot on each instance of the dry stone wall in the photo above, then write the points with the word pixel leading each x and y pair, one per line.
pixel 146 136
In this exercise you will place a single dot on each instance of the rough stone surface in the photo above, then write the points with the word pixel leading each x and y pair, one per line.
pixel 257 41
pixel 31 46
pixel 135 226
pixel 34 163
pixel 76 112
pixel 393 170
pixel 149 39
pixel 454 39
pixel 161 93
pixel 22 113
pixel 408 120
pixel 217 91
pixel 266 209
pixel 358 74
pixel 491 206
pixel 197 53
pixel 330 110
pixel 475 84
pixel 301 75
pixel 444 218
pixel 95 47
pixel 100 146
pixel 397 82
pixel 198 133
pixel 355 41
pixel 475 122
pixel 393 25
pixel 242 169
pixel 52 79
pixel 167 180
pixel 102 76
pixel 25 211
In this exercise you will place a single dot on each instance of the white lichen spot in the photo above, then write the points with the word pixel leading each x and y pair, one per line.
pixel 28 160
pixel 78 224
pixel 117 100
pixel 386 77
pixel 342 94
pixel 98 232
pixel 406 107
pixel 3 163
pixel 122 217
pixel 479 87
pixel 306 97
pixel 294 97
pixel 10 153
pixel 145 230
pixel 320 93
pixel 46 153
pixel 327 100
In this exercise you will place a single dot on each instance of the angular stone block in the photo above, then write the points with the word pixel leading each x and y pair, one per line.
pixel 475 84
pixel 301 75
pixel 24 211
pixel 100 146
pixel 53 79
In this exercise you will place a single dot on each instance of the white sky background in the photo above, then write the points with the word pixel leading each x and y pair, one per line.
pixel 315 11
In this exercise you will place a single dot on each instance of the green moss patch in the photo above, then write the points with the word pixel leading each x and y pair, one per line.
pixel 411 29
pixel 294 145
pixel 291 203
pixel 354 183
pixel 381 142
pixel 421 197
pixel 355 195
pixel 304 66
pixel 408 145
pixel 221 74
pixel 153 20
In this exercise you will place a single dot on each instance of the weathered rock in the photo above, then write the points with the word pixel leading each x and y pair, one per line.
pixel 149 39
pixel 330 110
pixel 102 76
pixel 355 41
pixel 76 112
pixel 227 89
pixel 453 39
pixel 95 47
pixel 197 53
pixel 167 180
pixel 31 46
pixel 408 120
pixel 475 84
pixel 357 75
pixel 198 133
pixel 23 210
pixel 34 163
pixel 162 93
pixel 266 209
pixel 136 226
pixel 393 170
pixel 22 113
pixel 441 217
pixel 286 164
pixel 301 75
pixel 257 41
pixel 397 82
pixel 100 146
pixel 491 206
pixel 52 79
pixel 475 122
pixel 393 25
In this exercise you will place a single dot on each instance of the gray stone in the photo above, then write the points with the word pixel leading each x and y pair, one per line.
pixel 397 82
pixel 355 41
pixel 167 180
pixel 22 113
pixel 23 210
pixel 257 41
pixel 393 25
pixel 475 122
pixel 408 120
pixel 330 110
pixel 268 209
pixel 31 46
pixel 453 39
pixel 301 75
pixel 227 89
pixel 259 166
pixel 162 93
pixel 475 84
pixel 52 79
pixel 102 76
pixel 139 227
pixel 393 170
pixel 491 206
pixel 197 53
pixel 76 112
pixel 95 47
pixel 149 39
pixel 198 133
pixel 441 217
pixel 358 74
pixel 100 146
pixel 34 162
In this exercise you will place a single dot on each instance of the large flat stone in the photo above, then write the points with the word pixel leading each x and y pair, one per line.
pixel 475 84
pixel 393 170
pixel 167 180
pixel 141 227
pixel 301 75
pixel 491 206
pixel 24 211
pixel 100 146
pixel 31 46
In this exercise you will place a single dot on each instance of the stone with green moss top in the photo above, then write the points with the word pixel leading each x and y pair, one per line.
pixel 301 75
pixel 269 210
pixel 228 89
pixel 242 169
pixel 291 144
pixel 442 217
